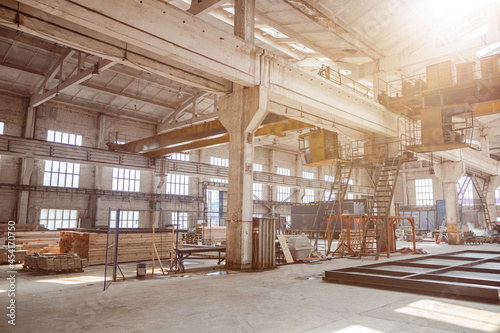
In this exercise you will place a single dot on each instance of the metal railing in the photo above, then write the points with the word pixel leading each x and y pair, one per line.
pixel 342 80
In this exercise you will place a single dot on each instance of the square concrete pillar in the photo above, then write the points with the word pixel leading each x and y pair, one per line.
pixel 241 112
pixel 449 173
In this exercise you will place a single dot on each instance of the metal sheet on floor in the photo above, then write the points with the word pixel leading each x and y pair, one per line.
pixel 468 273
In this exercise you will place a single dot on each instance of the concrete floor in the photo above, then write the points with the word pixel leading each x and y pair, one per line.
pixel 292 298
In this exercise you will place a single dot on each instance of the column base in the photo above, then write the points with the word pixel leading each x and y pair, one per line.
pixel 238 267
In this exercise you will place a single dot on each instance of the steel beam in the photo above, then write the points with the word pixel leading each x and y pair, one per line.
pixel 196 132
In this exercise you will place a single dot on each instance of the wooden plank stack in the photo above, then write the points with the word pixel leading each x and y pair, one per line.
pixel 213 235
pixel 35 241
pixel 54 263
pixel 131 246
pixel 4 255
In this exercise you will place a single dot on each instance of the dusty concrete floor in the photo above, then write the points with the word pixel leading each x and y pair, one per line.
pixel 292 298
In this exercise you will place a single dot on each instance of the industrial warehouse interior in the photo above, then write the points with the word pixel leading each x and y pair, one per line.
pixel 250 166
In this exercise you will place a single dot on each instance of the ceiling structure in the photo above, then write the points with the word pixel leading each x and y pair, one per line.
pixel 391 38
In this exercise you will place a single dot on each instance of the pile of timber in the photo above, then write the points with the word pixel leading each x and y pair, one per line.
pixel 51 249
pixel 35 241
pixel 54 263
pixel 4 228
pixel 192 238
pixel 131 246
pixel 6 251
pixel 213 235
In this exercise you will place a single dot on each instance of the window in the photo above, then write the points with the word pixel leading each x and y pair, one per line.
pixel 63 174
pixel 283 171
pixel 128 219
pixel 308 195
pixel 424 192
pixel 257 188
pixel 218 180
pixel 126 180
pixel 497 196
pixel 350 196
pixel 224 162
pixel 288 220
pixel 329 179
pixel 183 219
pixel 58 218
pixel 283 193
pixel 66 138
pixel 307 175
pixel 468 196
pixel 179 157
pixel 177 184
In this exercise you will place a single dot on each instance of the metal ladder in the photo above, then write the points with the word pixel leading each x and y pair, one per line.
pixel 386 175
pixel 341 183
pixel 482 192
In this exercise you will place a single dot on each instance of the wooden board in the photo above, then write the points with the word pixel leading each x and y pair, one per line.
pixel 285 249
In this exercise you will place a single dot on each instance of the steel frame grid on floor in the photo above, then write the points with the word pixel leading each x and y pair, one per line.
pixel 431 274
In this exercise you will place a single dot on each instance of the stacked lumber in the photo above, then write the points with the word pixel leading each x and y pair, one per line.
pixel 51 249
pixel 214 235
pixel 35 241
pixel 192 238
pixel 4 228
pixel 4 255
pixel 54 263
pixel 131 246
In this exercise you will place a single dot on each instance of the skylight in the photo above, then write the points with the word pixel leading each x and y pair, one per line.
pixel 274 32
pixel 488 49
pixel 476 33
pixel 301 48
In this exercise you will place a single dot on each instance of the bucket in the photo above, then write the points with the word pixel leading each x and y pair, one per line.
pixel 141 271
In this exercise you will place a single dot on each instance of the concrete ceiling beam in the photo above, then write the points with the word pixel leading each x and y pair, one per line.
pixel 88 30
pixel 318 17
pixel 101 65
pixel 200 7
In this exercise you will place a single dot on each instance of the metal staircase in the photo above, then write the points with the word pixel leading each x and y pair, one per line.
pixel 482 193
pixel 385 177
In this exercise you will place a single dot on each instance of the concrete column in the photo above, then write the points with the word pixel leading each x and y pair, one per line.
pixel 244 19
pixel 241 112
pixel 450 173
pixel 27 165
pixel 485 145
pixel 98 171
pixel 490 197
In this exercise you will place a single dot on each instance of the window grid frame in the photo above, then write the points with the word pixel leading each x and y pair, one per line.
pixel 424 193
pixel 283 192
pixel 49 218
pixel 130 183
